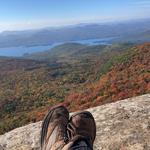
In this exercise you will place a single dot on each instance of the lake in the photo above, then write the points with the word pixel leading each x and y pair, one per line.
pixel 19 51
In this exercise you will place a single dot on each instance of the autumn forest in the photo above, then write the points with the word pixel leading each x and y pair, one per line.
pixel 76 75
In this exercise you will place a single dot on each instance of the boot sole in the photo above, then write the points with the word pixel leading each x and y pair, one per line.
pixel 46 121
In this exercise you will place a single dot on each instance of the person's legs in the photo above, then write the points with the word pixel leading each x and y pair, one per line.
pixel 54 129
pixel 81 131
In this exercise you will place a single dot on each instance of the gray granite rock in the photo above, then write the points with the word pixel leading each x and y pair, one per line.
pixel 124 125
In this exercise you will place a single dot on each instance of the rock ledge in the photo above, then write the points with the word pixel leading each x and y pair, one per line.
pixel 124 125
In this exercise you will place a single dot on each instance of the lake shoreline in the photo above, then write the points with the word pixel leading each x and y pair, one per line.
pixel 23 50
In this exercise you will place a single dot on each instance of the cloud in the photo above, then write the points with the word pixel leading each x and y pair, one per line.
pixel 142 2
pixel 141 5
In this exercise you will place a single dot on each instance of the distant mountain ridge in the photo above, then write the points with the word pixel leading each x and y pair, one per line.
pixel 50 36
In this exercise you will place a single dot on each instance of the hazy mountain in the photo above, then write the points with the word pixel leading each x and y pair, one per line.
pixel 47 36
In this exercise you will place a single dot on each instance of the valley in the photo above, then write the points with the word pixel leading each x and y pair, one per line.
pixel 77 75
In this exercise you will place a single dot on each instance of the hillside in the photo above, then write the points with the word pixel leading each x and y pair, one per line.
pixel 123 125
pixel 128 77
pixel 28 87
pixel 63 51
pixel 80 77
pixel 138 37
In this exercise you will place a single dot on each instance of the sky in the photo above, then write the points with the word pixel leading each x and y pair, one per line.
pixel 33 14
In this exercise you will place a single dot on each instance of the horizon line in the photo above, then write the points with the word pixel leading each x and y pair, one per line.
pixel 75 24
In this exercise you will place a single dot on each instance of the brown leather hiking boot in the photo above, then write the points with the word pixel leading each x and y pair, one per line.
pixel 54 129
pixel 81 131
